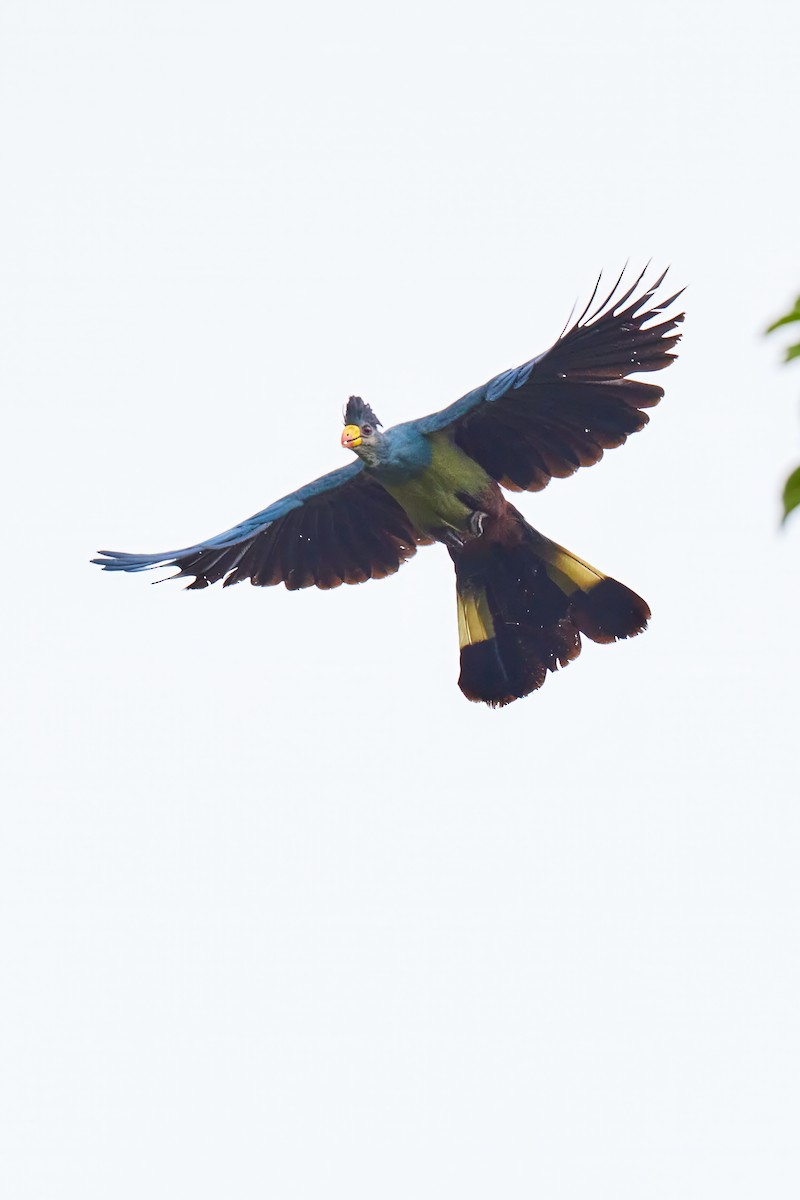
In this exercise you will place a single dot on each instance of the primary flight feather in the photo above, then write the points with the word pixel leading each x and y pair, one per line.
pixel 523 601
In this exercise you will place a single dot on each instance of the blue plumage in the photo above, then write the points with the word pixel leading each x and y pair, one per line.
pixel 116 560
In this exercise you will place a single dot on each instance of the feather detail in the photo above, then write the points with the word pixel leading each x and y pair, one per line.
pixel 561 410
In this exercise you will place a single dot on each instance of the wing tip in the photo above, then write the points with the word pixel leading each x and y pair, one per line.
pixel 121 560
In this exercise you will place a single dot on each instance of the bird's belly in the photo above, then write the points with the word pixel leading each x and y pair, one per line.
pixel 442 496
pixel 430 507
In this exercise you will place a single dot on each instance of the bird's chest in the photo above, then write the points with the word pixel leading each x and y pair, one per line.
pixel 437 496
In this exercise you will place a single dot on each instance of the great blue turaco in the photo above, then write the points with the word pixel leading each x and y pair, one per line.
pixel 523 601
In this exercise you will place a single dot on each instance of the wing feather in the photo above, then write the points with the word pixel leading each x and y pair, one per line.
pixel 342 528
pixel 563 409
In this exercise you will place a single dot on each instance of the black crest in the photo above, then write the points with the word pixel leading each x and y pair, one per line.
pixel 358 412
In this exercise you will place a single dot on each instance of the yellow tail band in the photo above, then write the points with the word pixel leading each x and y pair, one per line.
pixel 569 572
pixel 475 622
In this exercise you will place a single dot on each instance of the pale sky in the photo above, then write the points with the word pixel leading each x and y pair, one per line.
pixel 283 915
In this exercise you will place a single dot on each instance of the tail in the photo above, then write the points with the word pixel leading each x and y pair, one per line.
pixel 522 610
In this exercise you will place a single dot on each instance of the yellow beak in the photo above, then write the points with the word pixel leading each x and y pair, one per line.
pixel 351 437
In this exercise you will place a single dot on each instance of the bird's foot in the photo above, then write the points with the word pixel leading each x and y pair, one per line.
pixel 456 539
pixel 475 523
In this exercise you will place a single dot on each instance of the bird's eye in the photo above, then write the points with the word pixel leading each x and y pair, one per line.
pixel 366 430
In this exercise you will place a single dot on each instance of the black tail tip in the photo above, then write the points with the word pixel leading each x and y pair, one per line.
pixel 483 677
pixel 609 611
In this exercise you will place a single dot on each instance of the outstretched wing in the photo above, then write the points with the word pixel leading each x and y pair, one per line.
pixel 342 528
pixel 560 411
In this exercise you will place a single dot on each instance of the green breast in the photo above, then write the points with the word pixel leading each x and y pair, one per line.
pixel 430 498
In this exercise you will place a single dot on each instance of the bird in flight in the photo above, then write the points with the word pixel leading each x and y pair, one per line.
pixel 523 601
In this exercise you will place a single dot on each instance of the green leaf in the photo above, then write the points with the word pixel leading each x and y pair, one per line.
pixel 792 352
pixel 791 493
pixel 792 315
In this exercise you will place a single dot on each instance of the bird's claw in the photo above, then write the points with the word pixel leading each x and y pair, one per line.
pixel 475 523
pixel 457 539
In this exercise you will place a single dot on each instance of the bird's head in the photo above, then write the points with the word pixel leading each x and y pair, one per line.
pixel 362 432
